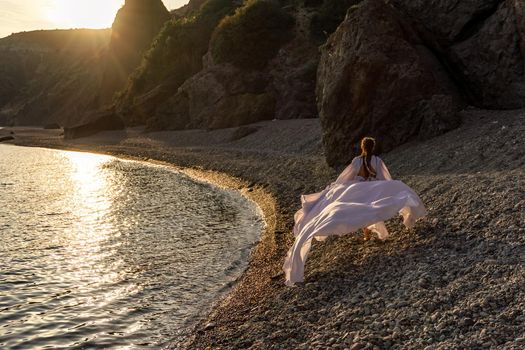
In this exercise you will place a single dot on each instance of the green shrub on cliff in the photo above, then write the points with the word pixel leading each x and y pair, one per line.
pixel 176 53
pixel 253 35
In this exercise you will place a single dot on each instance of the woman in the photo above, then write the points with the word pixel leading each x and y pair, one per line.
pixel 363 196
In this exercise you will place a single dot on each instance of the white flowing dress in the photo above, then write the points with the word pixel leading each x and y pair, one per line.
pixel 347 205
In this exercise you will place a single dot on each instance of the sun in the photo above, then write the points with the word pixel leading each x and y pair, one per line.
pixel 83 13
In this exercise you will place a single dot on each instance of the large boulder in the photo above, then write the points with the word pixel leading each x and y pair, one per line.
pixel 519 7
pixel 376 78
pixel 481 41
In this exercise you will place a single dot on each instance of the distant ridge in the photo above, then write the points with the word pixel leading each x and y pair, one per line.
pixel 58 39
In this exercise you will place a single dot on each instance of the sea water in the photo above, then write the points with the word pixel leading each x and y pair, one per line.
pixel 98 252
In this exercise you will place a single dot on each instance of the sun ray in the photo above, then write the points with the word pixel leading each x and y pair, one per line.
pixel 83 14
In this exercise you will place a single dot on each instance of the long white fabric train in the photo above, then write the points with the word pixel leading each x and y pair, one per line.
pixel 347 205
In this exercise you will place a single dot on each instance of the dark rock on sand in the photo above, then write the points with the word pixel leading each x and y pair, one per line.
pixel 94 123
pixel 376 77
pixel 6 138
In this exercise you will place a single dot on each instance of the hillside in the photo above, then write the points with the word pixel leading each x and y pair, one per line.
pixel 38 68
pixel 69 76
pixel 398 70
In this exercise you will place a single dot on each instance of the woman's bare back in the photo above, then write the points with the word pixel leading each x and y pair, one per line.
pixel 362 171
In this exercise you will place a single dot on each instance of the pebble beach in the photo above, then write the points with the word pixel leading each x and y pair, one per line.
pixel 456 281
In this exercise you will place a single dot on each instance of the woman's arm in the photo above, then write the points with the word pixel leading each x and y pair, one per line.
pixel 382 171
pixel 350 172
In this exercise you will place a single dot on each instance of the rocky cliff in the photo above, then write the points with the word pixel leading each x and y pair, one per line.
pixel 397 70
pixel 230 64
pixel 482 43
pixel 402 69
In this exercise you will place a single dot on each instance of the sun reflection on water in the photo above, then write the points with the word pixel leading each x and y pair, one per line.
pixel 92 202
pixel 91 183
pixel 105 253
pixel 92 242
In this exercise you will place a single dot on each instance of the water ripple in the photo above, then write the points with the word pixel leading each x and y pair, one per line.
pixel 97 252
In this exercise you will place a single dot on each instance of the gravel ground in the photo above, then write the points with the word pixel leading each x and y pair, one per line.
pixel 456 281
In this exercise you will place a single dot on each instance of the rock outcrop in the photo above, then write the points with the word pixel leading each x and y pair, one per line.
pixel 135 26
pixel 450 20
pixel 175 56
pixel 6 138
pixel 218 97
pixel 377 78
pixel 491 63
pixel 482 42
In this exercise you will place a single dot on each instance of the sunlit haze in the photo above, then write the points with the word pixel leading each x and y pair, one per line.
pixel 26 15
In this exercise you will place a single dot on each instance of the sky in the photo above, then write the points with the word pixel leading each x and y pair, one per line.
pixel 25 15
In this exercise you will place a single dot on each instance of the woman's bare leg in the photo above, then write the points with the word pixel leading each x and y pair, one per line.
pixel 366 234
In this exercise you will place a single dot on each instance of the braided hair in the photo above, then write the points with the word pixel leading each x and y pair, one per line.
pixel 368 145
